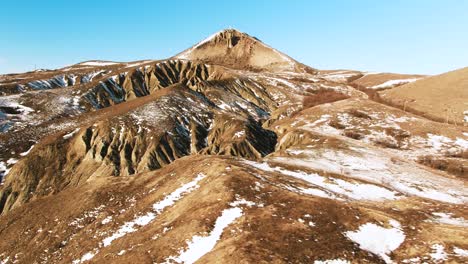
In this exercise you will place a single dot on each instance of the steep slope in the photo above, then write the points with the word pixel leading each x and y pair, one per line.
pixel 443 97
pixel 238 50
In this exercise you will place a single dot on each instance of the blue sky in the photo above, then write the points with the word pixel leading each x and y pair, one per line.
pixel 407 36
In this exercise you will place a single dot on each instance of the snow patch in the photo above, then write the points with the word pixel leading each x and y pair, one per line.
pixel 438 142
pixel 332 261
pixel 84 258
pixel 69 135
pixel 201 245
pixel 106 220
pixel 129 65
pixel 27 151
pixel 461 143
pixel 177 194
pixel 3 171
pixel 438 253
pixel 446 218
pixel 378 240
pixel 358 191
pixel 339 76
pixel 460 252
pixel 373 166
pixel 98 63
pixel 4 261
pixel 90 76
pixel 392 83
pixel 131 226
pixel 157 208
pixel 11 161
pixel 242 201
pixel 12 102
pixel 239 134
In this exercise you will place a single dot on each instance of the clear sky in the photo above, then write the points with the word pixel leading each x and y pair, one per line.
pixel 407 36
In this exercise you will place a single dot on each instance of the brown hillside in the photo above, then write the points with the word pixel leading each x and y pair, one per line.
pixel 444 96
pixel 231 152
pixel 240 51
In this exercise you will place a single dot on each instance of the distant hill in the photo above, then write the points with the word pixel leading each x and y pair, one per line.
pixel 443 96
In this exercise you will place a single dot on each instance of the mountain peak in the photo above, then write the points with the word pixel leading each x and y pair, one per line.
pixel 231 31
pixel 232 36
pixel 236 49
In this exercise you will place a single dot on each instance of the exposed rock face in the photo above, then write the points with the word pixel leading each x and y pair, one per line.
pixel 145 138
pixel 230 147
pixel 240 51
pixel 50 80
pixel 143 81
pixel 230 135
pixel 50 110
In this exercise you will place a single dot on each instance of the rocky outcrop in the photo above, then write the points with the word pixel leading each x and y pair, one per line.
pixel 145 138
pixel 51 80
pixel 145 80
pixel 236 136
pixel 238 50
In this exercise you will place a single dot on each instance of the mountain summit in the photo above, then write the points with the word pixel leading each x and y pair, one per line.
pixel 239 50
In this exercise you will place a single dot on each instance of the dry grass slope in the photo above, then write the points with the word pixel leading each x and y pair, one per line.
pixel 444 96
